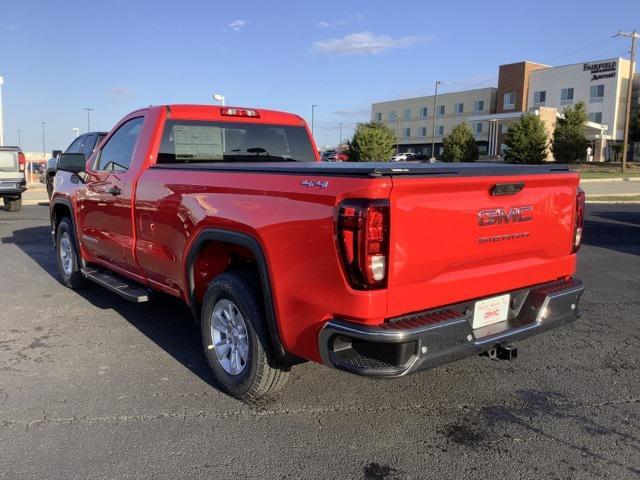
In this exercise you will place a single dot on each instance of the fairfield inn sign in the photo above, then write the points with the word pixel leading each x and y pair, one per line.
pixel 601 70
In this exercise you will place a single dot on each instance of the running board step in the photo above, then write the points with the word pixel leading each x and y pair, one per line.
pixel 117 284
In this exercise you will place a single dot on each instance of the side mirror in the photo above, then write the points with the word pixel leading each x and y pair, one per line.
pixel 72 162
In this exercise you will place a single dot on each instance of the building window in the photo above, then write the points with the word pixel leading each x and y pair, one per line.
pixel 478 106
pixel 441 110
pixel 459 108
pixel 406 132
pixel 566 96
pixel 424 112
pixel 392 116
pixel 440 130
pixel 423 132
pixel 595 117
pixel 407 113
pixel 509 102
pixel 539 98
pixel 504 129
pixel 378 117
pixel 479 127
pixel 596 94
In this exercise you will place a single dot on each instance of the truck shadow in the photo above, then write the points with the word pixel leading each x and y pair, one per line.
pixel 165 320
pixel 619 230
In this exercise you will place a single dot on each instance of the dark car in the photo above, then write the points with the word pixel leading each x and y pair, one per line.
pixel 85 143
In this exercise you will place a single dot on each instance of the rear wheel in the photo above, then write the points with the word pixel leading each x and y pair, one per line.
pixel 236 340
pixel 12 204
pixel 67 256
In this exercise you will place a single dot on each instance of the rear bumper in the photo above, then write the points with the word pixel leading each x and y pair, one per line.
pixel 12 187
pixel 428 339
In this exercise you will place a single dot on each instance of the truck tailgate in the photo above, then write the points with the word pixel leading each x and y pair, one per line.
pixel 442 253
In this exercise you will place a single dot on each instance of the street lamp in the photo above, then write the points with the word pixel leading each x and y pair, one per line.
pixel 44 150
pixel 1 123
pixel 340 140
pixel 219 98
pixel 19 142
pixel 89 110
pixel 313 110
pixel 433 129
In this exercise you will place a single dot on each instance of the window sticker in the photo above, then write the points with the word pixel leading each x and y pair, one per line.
pixel 198 142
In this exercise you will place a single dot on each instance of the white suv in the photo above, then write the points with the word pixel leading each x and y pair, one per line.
pixel 12 177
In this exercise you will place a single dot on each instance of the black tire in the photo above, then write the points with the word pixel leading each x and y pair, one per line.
pixel 12 204
pixel 49 183
pixel 260 375
pixel 72 277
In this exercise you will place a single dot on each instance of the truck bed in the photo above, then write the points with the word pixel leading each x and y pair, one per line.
pixel 370 169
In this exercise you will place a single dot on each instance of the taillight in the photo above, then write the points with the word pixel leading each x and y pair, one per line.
pixel 22 162
pixel 363 236
pixel 577 234
pixel 239 112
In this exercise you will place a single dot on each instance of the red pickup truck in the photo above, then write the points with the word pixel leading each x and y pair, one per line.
pixel 379 269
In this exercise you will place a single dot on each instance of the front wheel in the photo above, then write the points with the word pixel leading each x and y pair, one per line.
pixel 67 256
pixel 236 339
pixel 12 204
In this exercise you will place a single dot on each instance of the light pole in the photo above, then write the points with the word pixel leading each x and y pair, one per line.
pixel 19 142
pixel 1 123
pixel 44 150
pixel 313 111
pixel 397 137
pixel 76 131
pixel 89 110
pixel 340 140
pixel 220 98
pixel 433 127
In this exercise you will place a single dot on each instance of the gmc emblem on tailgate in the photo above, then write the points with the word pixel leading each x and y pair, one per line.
pixel 498 216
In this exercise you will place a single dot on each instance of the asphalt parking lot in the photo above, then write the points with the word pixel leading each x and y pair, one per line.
pixel 94 387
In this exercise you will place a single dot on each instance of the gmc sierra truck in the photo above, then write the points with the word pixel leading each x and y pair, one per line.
pixel 378 269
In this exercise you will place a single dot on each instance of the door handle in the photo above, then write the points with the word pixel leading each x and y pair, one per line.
pixel 114 191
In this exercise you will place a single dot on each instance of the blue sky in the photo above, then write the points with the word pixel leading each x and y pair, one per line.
pixel 59 57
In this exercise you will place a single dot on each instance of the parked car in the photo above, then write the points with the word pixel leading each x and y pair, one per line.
pixel 366 267
pixel 330 156
pixel 402 157
pixel 12 177
pixel 85 144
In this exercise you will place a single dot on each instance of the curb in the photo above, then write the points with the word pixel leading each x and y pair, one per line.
pixel 605 180
pixel 623 202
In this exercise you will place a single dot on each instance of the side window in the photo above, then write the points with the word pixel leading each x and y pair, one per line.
pixel 75 146
pixel 117 153
pixel 89 142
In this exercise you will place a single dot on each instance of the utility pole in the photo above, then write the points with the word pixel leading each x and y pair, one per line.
pixel 340 140
pixel 313 111
pixel 19 142
pixel 433 129
pixel 627 112
pixel 89 110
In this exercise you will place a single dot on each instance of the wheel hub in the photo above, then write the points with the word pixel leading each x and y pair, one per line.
pixel 229 337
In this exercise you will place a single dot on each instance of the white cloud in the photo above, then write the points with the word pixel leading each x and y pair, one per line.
pixel 236 25
pixel 336 23
pixel 361 43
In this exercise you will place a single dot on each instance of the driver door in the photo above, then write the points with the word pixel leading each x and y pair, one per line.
pixel 104 205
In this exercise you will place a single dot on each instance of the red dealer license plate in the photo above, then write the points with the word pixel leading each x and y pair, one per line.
pixel 491 310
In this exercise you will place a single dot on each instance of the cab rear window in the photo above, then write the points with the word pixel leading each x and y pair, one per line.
pixel 8 161
pixel 202 141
